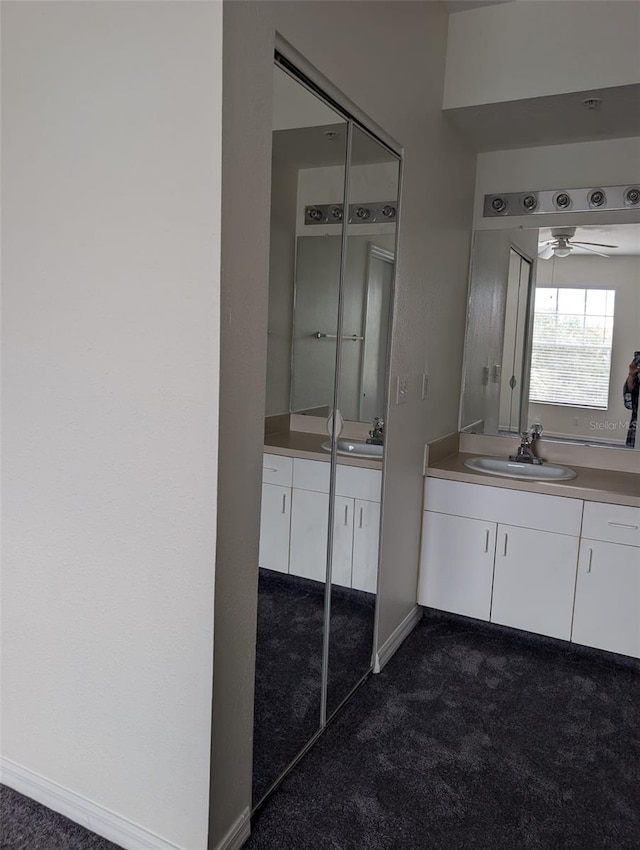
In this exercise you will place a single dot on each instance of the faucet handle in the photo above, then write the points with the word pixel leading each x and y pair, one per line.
pixel 536 429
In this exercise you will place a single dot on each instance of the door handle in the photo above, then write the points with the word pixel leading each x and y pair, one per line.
pixel 284 503
pixel 486 541
pixel 361 513
pixel 506 543
pixel 346 514
pixel 623 525
pixel 589 560
pixel 269 469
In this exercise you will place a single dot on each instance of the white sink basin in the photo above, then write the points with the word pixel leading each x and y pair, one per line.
pixel 355 448
pixel 511 469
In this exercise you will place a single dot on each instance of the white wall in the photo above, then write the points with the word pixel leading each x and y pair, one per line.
pixel 403 94
pixel 621 274
pixel 527 49
pixel 604 163
pixel 111 186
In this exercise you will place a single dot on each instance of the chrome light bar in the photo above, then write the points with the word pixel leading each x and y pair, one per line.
pixel 562 200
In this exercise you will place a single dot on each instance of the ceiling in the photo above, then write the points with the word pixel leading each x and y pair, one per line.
pixel 554 120
pixel 625 236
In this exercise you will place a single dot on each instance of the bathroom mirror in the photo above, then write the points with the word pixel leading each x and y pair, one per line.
pixel 552 327
pixel 334 199
pixel 366 299
pixel 290 639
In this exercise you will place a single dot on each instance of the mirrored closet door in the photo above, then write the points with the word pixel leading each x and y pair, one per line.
pixel 333 212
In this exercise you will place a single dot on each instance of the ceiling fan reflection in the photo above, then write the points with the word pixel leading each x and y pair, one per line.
pixel 562 244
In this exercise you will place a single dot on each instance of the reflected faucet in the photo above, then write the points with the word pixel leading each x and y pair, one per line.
pixel 376 434
pixel 525 453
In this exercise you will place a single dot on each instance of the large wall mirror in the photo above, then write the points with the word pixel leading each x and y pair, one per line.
pixel 552 330
pixel 334 204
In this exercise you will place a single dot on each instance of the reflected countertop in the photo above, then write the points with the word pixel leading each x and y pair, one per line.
pixel 594 485
pixel 308 446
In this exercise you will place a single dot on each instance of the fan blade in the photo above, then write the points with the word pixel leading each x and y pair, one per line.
pixel 591 251
pixel 597 244
pixel 546 253
pixel 548 242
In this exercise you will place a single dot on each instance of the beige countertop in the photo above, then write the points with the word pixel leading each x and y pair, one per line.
pixel 308 446
pixel 594 485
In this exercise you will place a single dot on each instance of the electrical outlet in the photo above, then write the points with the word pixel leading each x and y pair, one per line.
pixel 402 390
pixel 425 386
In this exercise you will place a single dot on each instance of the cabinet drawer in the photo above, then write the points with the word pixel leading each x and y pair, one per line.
pixel 277 469
pixel 357 482
pixel 354 482
pixel 611 523
pixel 311 475
pixel 496 504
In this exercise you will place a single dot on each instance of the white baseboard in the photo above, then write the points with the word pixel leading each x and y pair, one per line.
pixel 394 640
pixel 79 809
pixel 237 834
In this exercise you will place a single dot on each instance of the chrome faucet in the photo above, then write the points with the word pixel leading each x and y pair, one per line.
pixel 376 434
pixel 525 453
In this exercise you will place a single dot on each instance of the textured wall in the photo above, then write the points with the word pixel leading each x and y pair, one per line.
pixel 514 51
pixel 111 181
pixel 387 57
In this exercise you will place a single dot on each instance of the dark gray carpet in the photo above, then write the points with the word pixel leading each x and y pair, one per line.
pixel 26 825
pixel 289 665
pixel 472 738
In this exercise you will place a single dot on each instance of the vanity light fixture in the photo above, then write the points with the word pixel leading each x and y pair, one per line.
pixel 632 196
pixel 562 200
pixel 380 212
pixel 544 201
pixel 597 198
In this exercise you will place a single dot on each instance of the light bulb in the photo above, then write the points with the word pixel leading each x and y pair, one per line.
pixel 562 251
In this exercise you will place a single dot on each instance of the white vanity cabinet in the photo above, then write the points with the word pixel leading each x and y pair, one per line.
pixel 456 572
pixel 356 522
pixel 607 604
pixel 275 514
pixel 534 580
pixel 500 555
pixel 517 558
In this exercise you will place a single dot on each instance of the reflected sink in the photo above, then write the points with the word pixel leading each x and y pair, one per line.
pixel 355 448
pixel 511 469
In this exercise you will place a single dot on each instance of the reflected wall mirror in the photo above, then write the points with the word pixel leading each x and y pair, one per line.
pixel 552 327
pixel 334 200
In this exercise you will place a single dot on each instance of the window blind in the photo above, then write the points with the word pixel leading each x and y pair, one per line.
pixel 571 350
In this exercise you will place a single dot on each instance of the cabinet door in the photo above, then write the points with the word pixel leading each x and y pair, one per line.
pixel 607 609
pixel 342 542
pixel 275 520
pixel 309 524
pixel 456 564
pixel 366 534
pixel 534 581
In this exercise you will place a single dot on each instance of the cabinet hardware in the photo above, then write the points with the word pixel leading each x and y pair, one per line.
pixel 589 559
pixel 284 503
pixel 623 525
pixel 506 541
pixel 346 514
pixel 269 468
pixel 361 512
pixel 486 542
